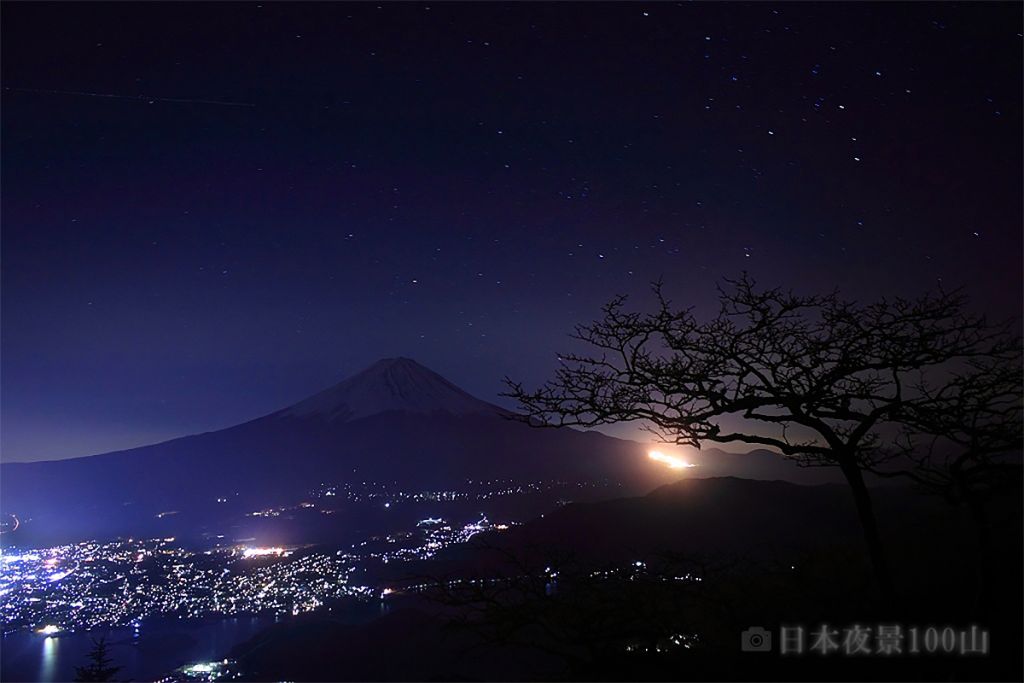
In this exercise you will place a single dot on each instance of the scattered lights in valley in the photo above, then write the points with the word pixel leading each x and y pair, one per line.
pixel 81 586
pixel 86 585
pixel 670 460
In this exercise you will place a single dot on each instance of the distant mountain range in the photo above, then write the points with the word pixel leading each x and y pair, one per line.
pixel 396 422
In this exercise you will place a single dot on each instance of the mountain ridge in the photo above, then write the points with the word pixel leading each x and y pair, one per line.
pixel 396 422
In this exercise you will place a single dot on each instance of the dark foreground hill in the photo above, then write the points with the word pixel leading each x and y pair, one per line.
pixel 660 587
pixel 722 516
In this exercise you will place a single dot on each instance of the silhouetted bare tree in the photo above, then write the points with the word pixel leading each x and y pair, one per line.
pixel 820 379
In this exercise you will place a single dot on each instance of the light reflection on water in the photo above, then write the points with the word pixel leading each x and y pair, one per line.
pixel 144 654
pixel 49 659
pixel 148 650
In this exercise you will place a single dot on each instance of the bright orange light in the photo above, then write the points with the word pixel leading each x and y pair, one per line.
pixel 670 460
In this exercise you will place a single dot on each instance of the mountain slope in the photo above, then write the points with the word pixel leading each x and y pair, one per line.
pixel 396 422
pixel 696 517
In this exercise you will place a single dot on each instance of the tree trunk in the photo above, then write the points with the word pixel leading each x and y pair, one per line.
pixel 982 563
pixel 866 514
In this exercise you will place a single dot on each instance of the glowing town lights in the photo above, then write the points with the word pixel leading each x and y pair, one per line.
pixel 260 552
pixel 204 671
pixel 199 669
pixel 670 460
pixel 68 586
pixel 28 557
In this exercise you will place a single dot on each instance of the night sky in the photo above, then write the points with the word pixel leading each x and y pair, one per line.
pixel 285 193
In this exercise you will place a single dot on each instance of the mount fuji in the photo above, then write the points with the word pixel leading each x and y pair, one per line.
pixel 396 422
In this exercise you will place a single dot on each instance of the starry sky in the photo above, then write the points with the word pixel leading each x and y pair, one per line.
pixel 211 211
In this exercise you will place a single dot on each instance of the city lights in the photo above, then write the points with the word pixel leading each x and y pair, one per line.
pixel 109 584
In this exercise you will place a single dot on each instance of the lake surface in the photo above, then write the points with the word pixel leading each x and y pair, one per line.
pixel 158 647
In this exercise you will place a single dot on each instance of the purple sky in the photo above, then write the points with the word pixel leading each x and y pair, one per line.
pixel 461 184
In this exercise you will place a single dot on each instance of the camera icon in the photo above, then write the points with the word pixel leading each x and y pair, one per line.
pixel 756 639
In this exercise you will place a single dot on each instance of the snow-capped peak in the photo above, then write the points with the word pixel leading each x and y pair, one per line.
pixel 391 384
